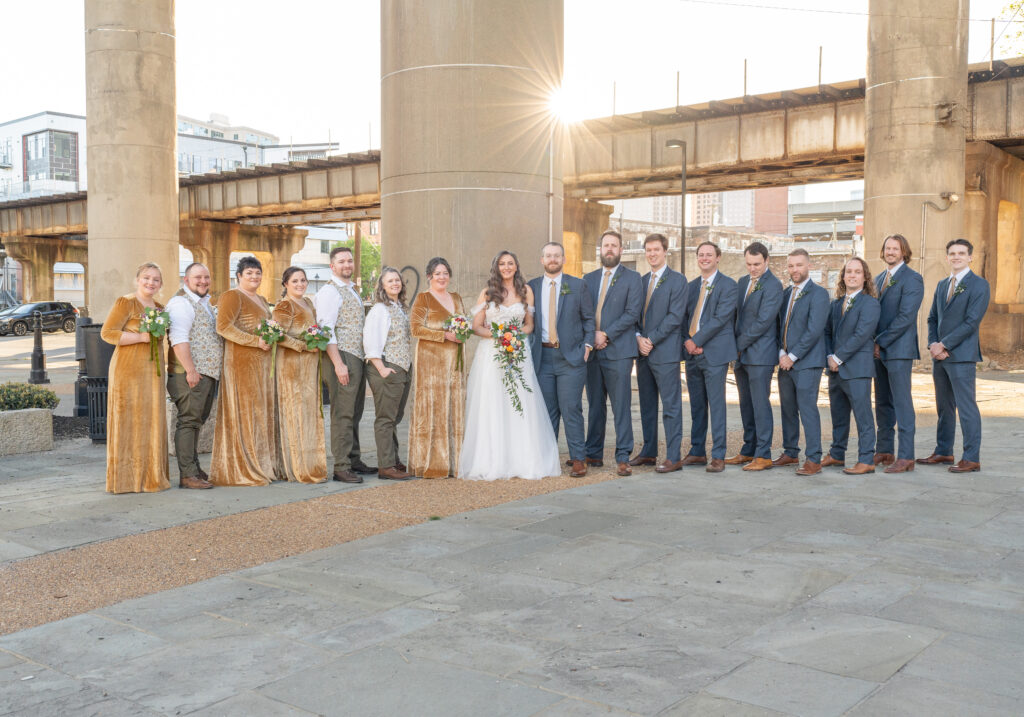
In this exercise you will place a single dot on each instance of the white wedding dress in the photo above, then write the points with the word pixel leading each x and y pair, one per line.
pixel 499 443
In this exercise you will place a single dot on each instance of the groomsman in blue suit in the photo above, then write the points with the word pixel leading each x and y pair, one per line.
pixel 900 292
pixel 660 342
pixel 758 299
pixel 709 336
pixel 563 337
pixel 617 293
pixel 958 307
pixel 849 341
pixel 801 360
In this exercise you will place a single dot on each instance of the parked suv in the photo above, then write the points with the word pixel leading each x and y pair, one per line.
pixel 56 315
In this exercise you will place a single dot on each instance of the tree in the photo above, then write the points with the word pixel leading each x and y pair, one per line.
pixel 369 263
pixel 1010 32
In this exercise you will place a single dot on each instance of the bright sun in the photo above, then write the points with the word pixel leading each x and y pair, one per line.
pixel 562 106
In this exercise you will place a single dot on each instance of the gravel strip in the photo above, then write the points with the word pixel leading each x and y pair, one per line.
pixel 70 582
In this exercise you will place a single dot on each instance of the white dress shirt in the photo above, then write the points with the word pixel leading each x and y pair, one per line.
pixel 891 272
pixel 182 315
pixel 849 300
pixel 957 278
pixel 375 331
pixel 789 305
pixel 327 303
pixel 711 282
pixel 544 300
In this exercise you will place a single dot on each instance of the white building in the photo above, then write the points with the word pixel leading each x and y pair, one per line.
pixel 42 154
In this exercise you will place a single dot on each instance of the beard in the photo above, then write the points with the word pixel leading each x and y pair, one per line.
pixel 610 261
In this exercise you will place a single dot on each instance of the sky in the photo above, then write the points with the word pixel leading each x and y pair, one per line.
pixel 308 69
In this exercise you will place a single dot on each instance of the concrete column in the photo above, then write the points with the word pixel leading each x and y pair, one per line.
pixel 916 114
pixel 584 222
pixel 131 130
pixel 37 257
pixel 467 170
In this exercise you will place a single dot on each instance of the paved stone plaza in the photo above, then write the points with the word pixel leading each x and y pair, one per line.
pixel 686 594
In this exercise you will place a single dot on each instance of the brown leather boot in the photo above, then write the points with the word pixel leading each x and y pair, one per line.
pixel 809 468
pixel 194 482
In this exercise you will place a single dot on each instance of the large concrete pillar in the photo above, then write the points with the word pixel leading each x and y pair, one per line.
pixel 467 132
pixel 583 224
pixel 131 130
pixel 916 112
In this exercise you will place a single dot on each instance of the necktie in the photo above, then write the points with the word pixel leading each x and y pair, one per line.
pixel 695 321
pixel 789 313
pixel 600 297
pixel 650 290
pixel 750 289
pixel 846 304
pixel 552 315
pixel 952 285
pixel 885 284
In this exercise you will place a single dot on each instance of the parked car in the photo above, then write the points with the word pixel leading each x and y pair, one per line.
pixel 56 315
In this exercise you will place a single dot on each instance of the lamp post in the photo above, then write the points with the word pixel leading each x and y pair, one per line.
pixel 682 208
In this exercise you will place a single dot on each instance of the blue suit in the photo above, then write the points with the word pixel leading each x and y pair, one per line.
pixel 956 324
pixel 706 372
pixel 562 370
pixel 804 338
pixel 610 370
pixel 757 342
pixel 850 338
pixel 657 374
pixel 896 338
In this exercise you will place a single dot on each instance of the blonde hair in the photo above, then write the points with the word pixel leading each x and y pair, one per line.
pixel 149 265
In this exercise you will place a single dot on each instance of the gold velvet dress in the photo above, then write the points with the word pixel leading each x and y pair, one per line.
pixel 439 403
pixel 301 450
pixel 244 450
pixel 136 405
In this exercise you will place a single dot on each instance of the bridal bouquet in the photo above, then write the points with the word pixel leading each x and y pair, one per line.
pixel 510 343
pixel 462 327
pixel 155 323
pixel 271 332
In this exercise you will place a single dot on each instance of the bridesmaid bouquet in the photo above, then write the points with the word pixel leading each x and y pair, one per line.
pixel 462 327
pixel 155 323
pixel 272 333
pixel 317 337
pixel 510 342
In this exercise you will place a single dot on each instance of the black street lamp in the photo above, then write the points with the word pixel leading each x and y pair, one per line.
pixel 682 209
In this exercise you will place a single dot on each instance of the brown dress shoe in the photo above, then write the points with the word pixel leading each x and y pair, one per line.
pixel 202 474
pixel 717 465
pixel 809 468
pixel 738 460
pixel 859 469
pixel 670 466
pixel 758 464
pixel 884 459
pixel 625 470
pixel 596 462
pixel 901 465
pixel 965 467
pixel 392 473
pixel 935 459
pixel 347 477
pixel 643 461
pixel 194 482
pixel 830 461
pixel 363 469
pixel 785 460
pixel 579 469
pixel 695 461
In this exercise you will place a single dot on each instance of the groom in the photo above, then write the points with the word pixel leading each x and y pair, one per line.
pixel 563 337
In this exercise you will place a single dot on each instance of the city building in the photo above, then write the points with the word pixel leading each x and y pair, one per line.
pixel 42 154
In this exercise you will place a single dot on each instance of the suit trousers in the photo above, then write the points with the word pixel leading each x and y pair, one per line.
pixel 844 395
pixel 390 395
pixel 609 379
pixel 346 411
pixel 954 393
pixel 706 386
pixel 194 406
pixel 894 407
pixel 754 384
pixel 654 381
pixel 798 396
pixel 561 384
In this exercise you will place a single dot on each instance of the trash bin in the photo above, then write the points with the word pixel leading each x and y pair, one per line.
pixel 81 390
pixel 97 364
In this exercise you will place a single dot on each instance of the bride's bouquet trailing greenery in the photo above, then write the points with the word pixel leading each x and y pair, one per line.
pixel 272 333
pixel 462 327
pixel 510 342
pixel 155 323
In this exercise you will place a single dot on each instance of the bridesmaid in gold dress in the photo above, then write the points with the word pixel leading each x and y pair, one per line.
pixel 302 455
pixel 136 422
pixel 244 451
pixel 435 436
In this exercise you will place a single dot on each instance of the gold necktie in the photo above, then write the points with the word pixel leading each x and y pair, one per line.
pixel 846 305
pixel 695 321
pixel 552 315
pixel 789 313
pixel 750 289
pixel 600 298
pixel 650 290
pixel 952 285
pixel 885 284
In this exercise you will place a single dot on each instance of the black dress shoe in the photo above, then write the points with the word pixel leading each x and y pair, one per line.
pixel 347 477
pixel 363 468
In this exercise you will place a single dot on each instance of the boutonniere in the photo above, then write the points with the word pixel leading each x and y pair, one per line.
pixel 757 286
pixel 565 289
pixel 851 303
pixel 892 282
pixel 959 289
pixel 709 287
pixel 614 279
pixel 800 295
pixel 660 282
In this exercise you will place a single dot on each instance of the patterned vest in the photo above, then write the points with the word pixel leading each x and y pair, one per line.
pixel 398 349
pixel 348 327
pixel 205 343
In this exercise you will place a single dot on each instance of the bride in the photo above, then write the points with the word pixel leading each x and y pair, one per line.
pixel 499 442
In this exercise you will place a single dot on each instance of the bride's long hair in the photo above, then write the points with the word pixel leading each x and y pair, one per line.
pixel 495 284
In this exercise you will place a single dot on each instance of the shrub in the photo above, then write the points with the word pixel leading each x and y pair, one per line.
pixel 16 396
